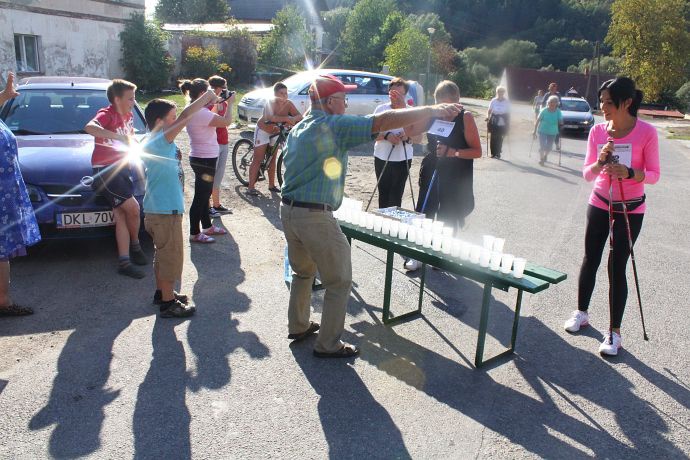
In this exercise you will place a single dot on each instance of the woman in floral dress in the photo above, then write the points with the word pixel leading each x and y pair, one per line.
pixel 18 227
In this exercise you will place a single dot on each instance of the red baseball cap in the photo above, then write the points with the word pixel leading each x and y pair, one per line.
pixel 327 85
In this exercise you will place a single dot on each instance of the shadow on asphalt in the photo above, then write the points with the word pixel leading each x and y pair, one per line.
pixel 267 202
pixel 80 270
pixel 549 365
pixel 352 420
pixel 161 417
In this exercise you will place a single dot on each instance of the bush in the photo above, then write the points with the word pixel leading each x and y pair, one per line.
pixel 204 62
pixel 408 52
pixel 145 59
pixel 683 96
pixel 289 43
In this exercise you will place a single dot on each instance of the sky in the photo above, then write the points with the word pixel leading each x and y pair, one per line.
pixel 150 5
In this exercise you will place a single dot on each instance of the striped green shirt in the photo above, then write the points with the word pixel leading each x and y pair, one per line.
pixel 316 156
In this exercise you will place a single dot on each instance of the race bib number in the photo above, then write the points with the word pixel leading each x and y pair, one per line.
pixel 622 154
pixel 442 128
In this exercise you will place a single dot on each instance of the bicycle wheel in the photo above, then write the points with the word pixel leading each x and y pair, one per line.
pixel 242 156
pixel 280 168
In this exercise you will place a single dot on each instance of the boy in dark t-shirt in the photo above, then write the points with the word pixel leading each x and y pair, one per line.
pixel 113 129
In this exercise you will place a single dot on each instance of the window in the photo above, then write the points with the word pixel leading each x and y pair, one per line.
pixel 365 85
pixel 26 52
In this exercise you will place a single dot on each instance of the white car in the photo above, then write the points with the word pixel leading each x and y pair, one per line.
pixel 372 91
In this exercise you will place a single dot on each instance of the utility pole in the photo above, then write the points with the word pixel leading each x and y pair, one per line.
pixel 598 66
pixel 591 68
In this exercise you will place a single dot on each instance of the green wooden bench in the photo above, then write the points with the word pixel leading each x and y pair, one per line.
pixel 536 279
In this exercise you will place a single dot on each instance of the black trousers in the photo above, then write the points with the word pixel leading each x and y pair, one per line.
pixel 596 238
pixel 496 142
pixel 392 184
pixel 204 172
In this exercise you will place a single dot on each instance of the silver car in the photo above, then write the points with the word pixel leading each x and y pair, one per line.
pixel 372 91
pixel 577 114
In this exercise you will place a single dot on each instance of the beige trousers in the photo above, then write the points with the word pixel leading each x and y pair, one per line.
pixel 315 242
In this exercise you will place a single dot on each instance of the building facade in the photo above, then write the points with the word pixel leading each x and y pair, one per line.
pixel 64 37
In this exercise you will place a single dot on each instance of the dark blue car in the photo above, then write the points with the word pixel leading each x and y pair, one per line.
pixel 48 119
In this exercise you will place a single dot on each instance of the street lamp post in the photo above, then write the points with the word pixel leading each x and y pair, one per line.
pixel 431 31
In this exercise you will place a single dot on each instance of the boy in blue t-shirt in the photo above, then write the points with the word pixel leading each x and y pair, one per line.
pixel 164 199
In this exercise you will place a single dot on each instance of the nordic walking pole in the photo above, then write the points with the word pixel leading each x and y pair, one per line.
pixel 560 146
pixel 531 145
pixel 609 269
pixel 407 165
pixel 428 191
pixel 632 256
pixel 379 178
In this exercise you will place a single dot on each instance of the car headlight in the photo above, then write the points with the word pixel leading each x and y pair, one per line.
pixel 586 122
pixel 34 193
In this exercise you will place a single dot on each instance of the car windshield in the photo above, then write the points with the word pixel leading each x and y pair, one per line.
pixel 575 106
pixel 58 111
pixel 297 81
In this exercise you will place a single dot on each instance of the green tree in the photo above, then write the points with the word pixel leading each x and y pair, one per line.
pixel 683 96
pixel 203 62
pixel 333 26
pixel 652 39
pixel 426 20
pixel 289 44
pixel 360 46
pixel 191 11
pixel 145 59
pixel 408 52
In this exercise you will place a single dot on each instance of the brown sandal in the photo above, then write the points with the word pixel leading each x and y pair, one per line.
pixel 347 351
pixel 15 310
pixel 313 327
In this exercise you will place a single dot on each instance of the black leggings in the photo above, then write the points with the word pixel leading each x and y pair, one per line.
pixel 596 237
pixel 392 183
pixel 204 172
pixel 496 143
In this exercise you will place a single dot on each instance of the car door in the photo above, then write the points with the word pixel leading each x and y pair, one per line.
pixel 301 99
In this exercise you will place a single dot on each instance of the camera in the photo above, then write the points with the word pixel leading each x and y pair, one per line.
pixel 225 94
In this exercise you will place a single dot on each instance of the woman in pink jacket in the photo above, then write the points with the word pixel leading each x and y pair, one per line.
pixel 634 147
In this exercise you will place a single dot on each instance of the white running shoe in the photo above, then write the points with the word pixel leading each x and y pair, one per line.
pixel 412 265
pixel 611 344
pixel 578 320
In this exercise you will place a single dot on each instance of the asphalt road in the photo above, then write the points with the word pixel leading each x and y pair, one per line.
pixel 95 373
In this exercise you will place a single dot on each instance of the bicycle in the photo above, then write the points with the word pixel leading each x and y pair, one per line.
pixel 243 155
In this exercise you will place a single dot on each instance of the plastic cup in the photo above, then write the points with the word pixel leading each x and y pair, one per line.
pixel 378 222
pixel 419 239
pixel 417 222
pixel 427 224
pixel 455 247
pixel 475 253
pixel 447 244
pixel 488 242
pixel 357 205
pixel 412 233
pixel 402 230
pixel 436 241
pixel 519 267
pixel 386 226
pixel 395 228
pixel 485 257
pixel 495 262
pixel 448 231
pixel 428 238
pixel 465 248
pixel 370 221
pixel 437 227
pixel 507 263
pixel 498 244
pixel 362 219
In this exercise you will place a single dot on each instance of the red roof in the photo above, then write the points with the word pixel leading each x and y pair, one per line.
pixel 661 113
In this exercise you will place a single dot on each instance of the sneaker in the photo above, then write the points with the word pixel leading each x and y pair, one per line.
pixel 131 271
pixel 176 309
pixel 158 298
pixel 578 320
pixel 138 257
pixel 220 209
pixel 611 344
pixel 213 212
pixel 412 265
pixel 252 192
pixel 201 238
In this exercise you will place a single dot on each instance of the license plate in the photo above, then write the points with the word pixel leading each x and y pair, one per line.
pixel 85 219
pixel 571 126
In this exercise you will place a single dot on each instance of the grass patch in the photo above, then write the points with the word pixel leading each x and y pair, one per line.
pixel 682 133
pixel 179 99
